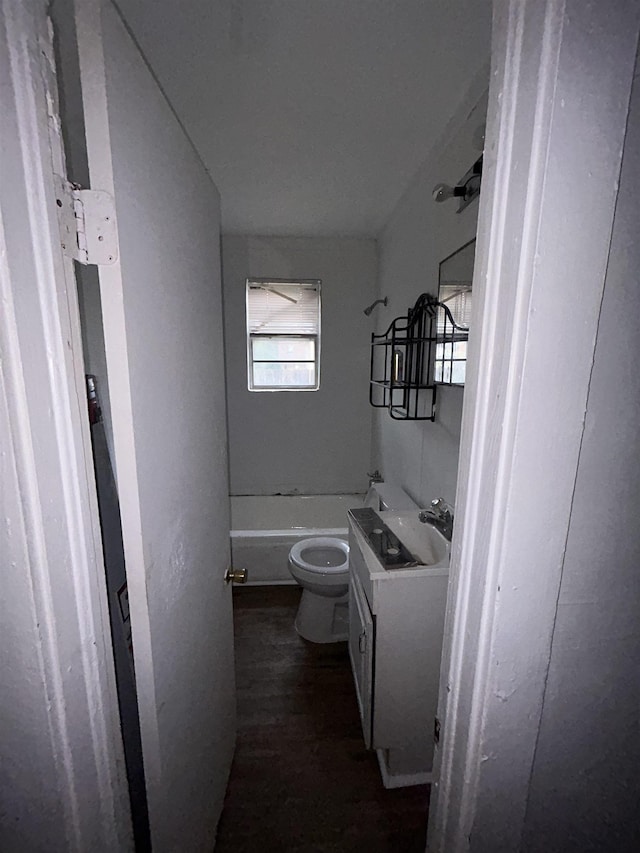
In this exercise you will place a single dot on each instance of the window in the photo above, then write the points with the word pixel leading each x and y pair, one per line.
pixel 283 335
pixel 451 349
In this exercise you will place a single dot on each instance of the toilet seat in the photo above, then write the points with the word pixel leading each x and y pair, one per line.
pixel 320 542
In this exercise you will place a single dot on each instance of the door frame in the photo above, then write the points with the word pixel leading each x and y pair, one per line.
pixel 49 448
pixel 88 21
pixel 559 95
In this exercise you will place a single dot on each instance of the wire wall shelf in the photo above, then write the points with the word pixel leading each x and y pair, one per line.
pixel 401 364
pixel 417 353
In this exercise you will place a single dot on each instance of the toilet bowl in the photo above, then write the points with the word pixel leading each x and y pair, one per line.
pixel 321 566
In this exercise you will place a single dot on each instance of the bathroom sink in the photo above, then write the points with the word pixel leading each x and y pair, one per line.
pixel 422 540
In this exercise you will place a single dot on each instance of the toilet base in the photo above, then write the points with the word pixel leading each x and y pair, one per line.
pixel 321 619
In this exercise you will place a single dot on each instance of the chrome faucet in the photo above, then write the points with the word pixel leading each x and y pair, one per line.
pixel 440 516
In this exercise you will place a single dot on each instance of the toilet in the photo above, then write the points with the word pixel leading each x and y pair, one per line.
pixel 320 565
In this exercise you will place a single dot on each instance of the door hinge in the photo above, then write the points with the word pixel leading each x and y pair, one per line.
pixel 436 730
pixel 87 220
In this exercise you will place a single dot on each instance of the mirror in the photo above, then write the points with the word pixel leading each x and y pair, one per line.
pixel 454 314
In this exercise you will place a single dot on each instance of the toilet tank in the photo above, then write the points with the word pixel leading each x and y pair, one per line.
pixel 383 496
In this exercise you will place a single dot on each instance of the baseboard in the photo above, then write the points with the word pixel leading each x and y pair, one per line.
pixel 276 582
pixel 401 780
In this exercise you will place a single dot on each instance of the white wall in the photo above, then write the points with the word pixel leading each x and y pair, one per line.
pixel 423 456
pixel 584 787
pixel 308 442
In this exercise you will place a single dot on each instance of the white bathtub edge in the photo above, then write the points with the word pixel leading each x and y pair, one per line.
pixel 298 532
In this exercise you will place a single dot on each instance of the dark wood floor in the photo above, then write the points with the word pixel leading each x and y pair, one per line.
pixel 301 779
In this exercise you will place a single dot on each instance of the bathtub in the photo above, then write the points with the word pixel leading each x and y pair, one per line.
pixel 264 527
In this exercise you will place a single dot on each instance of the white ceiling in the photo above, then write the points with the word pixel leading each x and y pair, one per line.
pixel 312 115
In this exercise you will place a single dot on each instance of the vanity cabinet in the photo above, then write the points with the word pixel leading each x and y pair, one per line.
pixel 396 623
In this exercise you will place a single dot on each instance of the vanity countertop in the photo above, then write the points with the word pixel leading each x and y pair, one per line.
pixel 430 549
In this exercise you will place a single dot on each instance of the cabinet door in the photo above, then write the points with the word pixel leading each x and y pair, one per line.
pixel 361 640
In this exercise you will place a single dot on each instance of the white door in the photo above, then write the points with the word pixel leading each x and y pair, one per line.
pixel 162 321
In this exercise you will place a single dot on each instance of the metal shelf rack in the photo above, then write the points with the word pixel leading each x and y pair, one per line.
pixel 401 364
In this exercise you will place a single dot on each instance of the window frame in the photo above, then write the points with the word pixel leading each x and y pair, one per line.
pixel 254 336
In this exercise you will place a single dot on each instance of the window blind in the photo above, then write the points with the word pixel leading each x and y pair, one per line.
pixel 278 308
pixel 458 300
